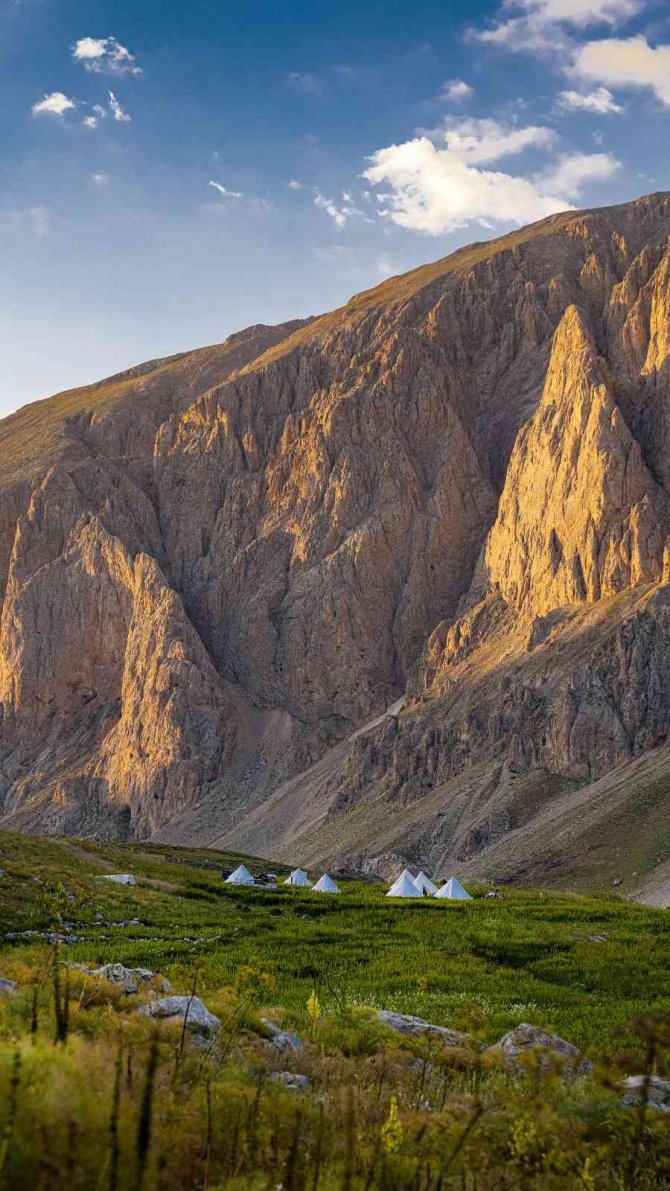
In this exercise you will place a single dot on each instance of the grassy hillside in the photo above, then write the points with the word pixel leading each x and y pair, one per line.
pixel 381 1110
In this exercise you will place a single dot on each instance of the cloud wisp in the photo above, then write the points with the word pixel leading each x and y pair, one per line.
pixel 224 191
pixel 456 91
pixel 116 111
pixel 104 55
pixel 305 82
pixel 341 212
pixel 600 102
pixel 477 141
pixel 541 25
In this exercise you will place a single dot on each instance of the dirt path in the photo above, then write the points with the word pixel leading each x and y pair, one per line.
pixel 100 862
pixel 80 853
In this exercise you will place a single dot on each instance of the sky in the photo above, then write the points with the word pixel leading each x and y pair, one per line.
pixel 172 172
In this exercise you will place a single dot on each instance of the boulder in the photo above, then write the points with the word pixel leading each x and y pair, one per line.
pixel 7 987
pixel 647 1089
pixel 198 1018
pixel 291 1080
pixel 525 1039
pixel 131 980
pixel 282 1039
pixel 121 878
pixel 405 1023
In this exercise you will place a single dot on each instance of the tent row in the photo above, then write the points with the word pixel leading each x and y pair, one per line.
pixel 421 885
pixel 325 884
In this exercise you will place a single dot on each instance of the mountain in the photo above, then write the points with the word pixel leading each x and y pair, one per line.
pixel 219 570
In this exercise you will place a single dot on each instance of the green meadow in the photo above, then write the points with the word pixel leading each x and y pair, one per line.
pixel 381 1109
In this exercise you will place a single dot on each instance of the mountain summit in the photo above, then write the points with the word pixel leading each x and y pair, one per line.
pixel 220 569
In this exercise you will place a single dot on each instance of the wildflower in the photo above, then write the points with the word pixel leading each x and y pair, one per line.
pixel 314 1005
pixel 392 1131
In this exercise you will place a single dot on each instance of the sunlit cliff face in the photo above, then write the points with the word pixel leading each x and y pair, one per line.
pixel 220 565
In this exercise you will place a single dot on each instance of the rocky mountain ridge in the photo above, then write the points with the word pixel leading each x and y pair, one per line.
pixel 218 567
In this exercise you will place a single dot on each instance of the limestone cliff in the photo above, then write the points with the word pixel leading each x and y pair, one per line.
pixel 219 566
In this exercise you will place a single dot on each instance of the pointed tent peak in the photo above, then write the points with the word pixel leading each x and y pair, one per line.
pixel 405 876
pixel 325 884
pixel 404 887
pixel 406 873
pixel 241 876
pixel 298 877
pixel 454 890
pixel 425 884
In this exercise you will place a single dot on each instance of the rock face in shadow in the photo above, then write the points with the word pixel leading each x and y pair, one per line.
pixel 216 567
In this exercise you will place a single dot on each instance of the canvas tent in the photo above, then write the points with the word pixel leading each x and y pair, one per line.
pixel 241 876
pixel 404 886
pixel 325 884
pixel 298 877
pixel 454 890
pixel 424 884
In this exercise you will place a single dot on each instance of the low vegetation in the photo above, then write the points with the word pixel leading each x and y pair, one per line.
pixel 95 1095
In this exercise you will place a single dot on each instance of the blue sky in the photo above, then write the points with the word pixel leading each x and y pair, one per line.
pixel 174 172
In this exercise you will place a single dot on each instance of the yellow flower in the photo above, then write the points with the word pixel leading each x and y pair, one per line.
pixel 314 1005
pixel 392 1131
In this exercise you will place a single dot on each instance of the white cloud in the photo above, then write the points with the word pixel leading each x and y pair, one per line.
pixel 223 190
pixel 339 214
pixel 540 24
pixel 436 190
pixel 116 110
pixel 55 104
pixel 295 185
pixel 626 62
pixel 601 101
pixel 572 171
pixel 100 181
pixel 456 90
pixel 476 141
pixel 98 113
pixel 104 55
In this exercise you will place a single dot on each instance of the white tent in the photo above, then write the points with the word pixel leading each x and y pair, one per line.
pixel 241 876
pixel 325 884
pixel 298 877
pixel 404 886
pixel 453 889
pixel 425 885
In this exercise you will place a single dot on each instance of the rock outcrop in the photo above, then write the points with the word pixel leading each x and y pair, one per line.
pixel 526 1045
pixel 190 1010
pixel 216 569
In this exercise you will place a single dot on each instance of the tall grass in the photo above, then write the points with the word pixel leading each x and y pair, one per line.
pixel 95 1097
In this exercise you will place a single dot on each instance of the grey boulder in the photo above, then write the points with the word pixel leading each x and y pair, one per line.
pixel 7 987
pixel 413 1027
pixel 198 1018
pixel 131 980
pixel 525 1039
pixel 282 1039
pixel 120 878
pixel 647 1089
